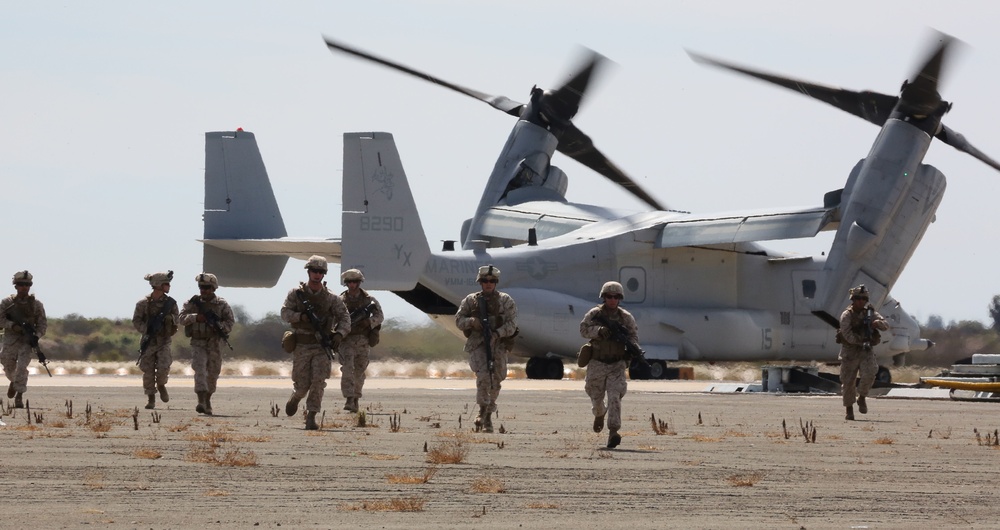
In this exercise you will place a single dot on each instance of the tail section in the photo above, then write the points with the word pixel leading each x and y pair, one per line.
pixel 382 234
pixel 239 204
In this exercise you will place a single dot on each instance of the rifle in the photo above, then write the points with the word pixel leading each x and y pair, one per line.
pixel 310 311
pixel 620 334
pixel 211 318
pixel 362 313
pixel 29 333
pixel 868 321
pixel 154 326
pixel 484 321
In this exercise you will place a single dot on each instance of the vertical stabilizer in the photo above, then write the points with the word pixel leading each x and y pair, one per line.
pixel 239 204
pixel 382 234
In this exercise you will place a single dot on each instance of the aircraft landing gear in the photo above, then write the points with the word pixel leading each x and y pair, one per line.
pixel 638 371
pixel 544 368
pixel 657 370
pixel 883 375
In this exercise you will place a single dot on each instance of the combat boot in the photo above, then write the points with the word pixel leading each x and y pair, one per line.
pixel 208 403
pixel 614 439
pixel 201 403
pixel 862 406
pixel 164 397
pixel 850 413
pixel 10 390
pixel 311 421
pixel 151 402
pixel 484 412
pixel 354 404
pixel 599 423
pixel 18 404
pixel 292 406
pixel 488 422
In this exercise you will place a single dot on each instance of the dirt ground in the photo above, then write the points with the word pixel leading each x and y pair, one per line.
pixel 722 460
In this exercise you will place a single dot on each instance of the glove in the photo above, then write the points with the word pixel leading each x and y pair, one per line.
pixel 303 317
pixel 604 333
pixel 477 324
pixel 337 338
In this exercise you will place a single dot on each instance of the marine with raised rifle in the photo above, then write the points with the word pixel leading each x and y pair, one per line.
pixel 319 321
pixel 207 320
pixel 155 317
pixel 366 324
pixel 23 319
pixel 614 341
pixel 489 321
pixel 858 335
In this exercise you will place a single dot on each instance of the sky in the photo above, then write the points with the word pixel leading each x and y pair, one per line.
pixel 103 110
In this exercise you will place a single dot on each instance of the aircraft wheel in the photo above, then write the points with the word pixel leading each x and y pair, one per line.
pixel 534 368
pixel 883 375
pixel 657 369
pixel 554 369
pixel 637 371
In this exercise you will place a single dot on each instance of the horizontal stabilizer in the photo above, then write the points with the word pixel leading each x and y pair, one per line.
pixel 296 248
pixel 241 270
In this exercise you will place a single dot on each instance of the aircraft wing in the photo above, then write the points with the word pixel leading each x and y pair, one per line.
pixel 746 227
pixel 293 248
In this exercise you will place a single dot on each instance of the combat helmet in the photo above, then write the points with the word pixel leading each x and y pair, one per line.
pixel 157 279
pixel 206 278
pixel 316 262
pixel 612 288
pixel 22 277
pixel 488 272
pixel 859 292
pixel 351 275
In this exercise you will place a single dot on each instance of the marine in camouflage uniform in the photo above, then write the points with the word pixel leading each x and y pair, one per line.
pixel 366 321
pixel 608 361
pixel 502 320
pixel 311 365
pixel 854 356
pixel 156 360
pixel 16 353
pixel 197 317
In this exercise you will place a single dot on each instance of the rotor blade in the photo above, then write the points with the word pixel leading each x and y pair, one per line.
pixel 569 96
pixel 958 141
pixel 578 146
pixel 502 103
pixel 920 95
pixel 869 106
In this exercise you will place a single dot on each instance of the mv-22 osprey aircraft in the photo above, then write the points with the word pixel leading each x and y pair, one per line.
pixel 699 286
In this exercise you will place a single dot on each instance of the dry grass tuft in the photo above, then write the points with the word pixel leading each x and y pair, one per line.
pixel 745 479
pixel 405 504
pixel 737 434
pixel 58 424
pixel 144 452
pixel 450 452
pixel 413 479
pixel 209 454
pixel 488 485
pixel 885 440
pixel 703 438
pixel 101 425
pixel 180 427
pixel 94 481
pixel 217 493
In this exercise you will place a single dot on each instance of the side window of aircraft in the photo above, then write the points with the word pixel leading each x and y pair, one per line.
pixel 809 288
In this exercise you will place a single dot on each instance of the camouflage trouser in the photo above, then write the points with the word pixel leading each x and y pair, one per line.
pixel 607 378
pixel 206 361
pixel 851 361
pixel 310 370
pixel 155 366
pixel 15 359
pixel 353 358
pixel 487 393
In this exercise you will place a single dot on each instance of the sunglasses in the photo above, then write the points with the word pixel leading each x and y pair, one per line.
pixel 615 296
pixel 205 287
pixel 488 281
pixel 318 271
pixel 865 298
pixel 353 281
pixel 22 284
